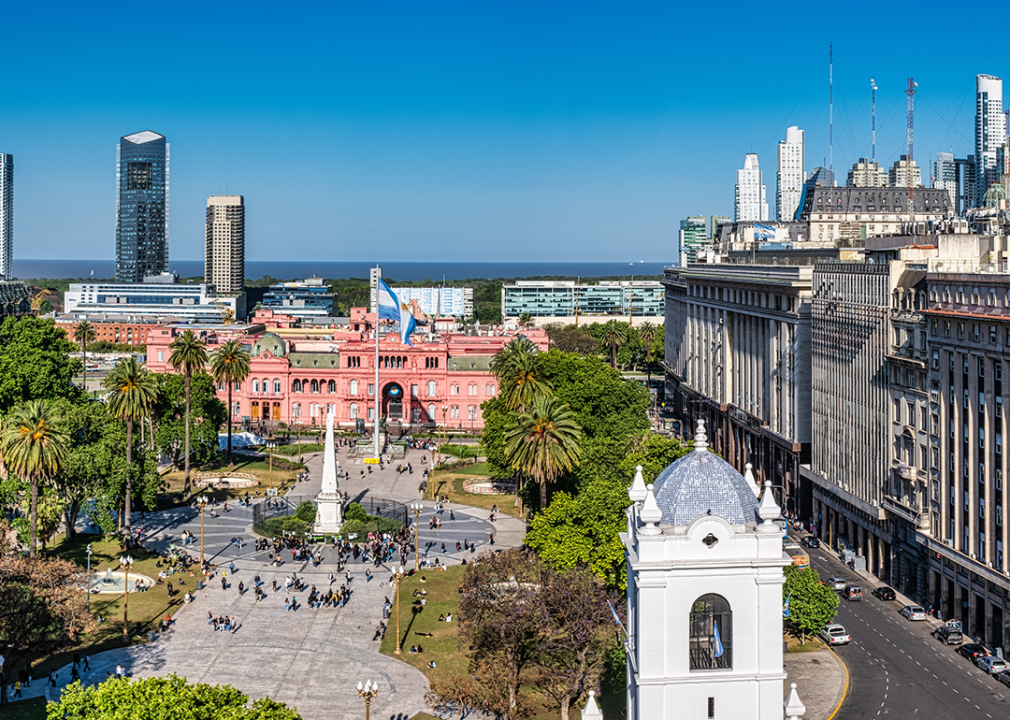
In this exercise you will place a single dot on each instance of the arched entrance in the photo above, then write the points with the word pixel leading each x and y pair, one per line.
pixel 392 402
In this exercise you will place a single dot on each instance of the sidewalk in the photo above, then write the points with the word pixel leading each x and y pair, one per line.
pixel 821 681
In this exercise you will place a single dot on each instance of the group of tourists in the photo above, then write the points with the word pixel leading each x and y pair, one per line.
pixel 223 623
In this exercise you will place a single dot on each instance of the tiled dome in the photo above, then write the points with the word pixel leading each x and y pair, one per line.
pixel 702 483
pixel 271 343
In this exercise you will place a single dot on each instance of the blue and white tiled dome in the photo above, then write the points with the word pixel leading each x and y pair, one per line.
pixel 702 483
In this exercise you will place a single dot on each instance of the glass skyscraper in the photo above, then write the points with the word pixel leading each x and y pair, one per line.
pixel 141 206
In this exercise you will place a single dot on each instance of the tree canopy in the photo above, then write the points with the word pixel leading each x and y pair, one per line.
pixel 208 414
pixel 35 362
pixel 812 605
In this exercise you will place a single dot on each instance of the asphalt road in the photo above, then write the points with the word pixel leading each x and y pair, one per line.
pixel 897 668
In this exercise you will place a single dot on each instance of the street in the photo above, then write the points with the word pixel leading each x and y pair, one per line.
pixel 897 668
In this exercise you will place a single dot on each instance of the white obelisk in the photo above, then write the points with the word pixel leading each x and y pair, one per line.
pixel 330 514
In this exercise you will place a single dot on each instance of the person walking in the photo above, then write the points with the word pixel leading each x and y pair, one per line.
pixel 241 588
pixel 17 688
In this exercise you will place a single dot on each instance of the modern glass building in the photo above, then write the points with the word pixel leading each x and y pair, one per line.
pixel 439 301
pixel 641 298
pixel 308 298
pixel 141 206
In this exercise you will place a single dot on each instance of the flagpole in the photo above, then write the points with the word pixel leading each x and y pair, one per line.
pixel 375 431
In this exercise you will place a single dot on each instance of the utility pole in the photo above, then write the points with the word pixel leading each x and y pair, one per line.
pixel 831 110
pixel 873 120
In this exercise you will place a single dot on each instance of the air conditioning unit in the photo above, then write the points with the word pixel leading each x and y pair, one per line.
pixel 948 542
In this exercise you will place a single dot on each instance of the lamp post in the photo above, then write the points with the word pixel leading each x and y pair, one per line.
pixel 397 577
pixel 202 504
pixel 445 433
pixel 369 691
pixel 126 561
pixel 89 578
pixel 416 509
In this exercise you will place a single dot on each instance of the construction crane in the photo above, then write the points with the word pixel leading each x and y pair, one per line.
pixel 227 314
pixel 38 298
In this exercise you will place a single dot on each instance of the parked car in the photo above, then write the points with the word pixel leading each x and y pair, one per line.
pixel 884 593
pixel 811 542
pixel 836 583
pixel 835 634
pixel 853 592
pixel 948 635
pixel 972 651
pixel 991 664
pixel 913 612
pixel 1004 677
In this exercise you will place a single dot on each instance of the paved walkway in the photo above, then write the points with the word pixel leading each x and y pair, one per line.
pixel 820 679
pixel 310 659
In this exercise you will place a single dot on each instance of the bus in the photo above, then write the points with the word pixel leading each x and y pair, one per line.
pixel 800 557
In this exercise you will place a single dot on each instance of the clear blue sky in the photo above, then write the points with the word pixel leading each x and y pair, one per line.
pixel 470 131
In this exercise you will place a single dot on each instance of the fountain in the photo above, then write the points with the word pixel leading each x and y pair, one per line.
pixel 111 582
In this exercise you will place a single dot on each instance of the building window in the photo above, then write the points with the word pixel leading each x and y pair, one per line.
pixel 431 388
pixel 331 386
pixel 354 411
pixel 255 386
pixel 297 410
pixel 711 633
pixel 277 387
pixel 371 389
pixel 354 387
pixel 315 386
pixel 161 356
pixel 413 391
pixel 296 386
pixel 431 413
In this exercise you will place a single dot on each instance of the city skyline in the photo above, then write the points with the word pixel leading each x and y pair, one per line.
pixel 461 133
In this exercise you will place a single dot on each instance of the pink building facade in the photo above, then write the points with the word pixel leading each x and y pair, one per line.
pixel 295 378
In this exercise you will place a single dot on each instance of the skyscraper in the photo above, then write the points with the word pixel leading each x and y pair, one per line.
pixel 693 235
pixel 898 174
pixel 791 174
pixel 867 173
pixel 751 203
pixel 141 206
pixel 224 249
pixel 990 132
pixel 6 216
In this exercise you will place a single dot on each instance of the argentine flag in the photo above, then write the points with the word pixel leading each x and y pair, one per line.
pixel 785 608
pixel 390 308
pixel 719 650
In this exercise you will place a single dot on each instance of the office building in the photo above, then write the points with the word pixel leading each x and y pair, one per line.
pixel 693 235
pixel 865 173
pixel 848 214
pixel 990 133
pixel 715 222
pixel 957 177
pixel 301 298
pixel 224 243
pixel 438 301
pixel 791 174
pixel 751 202
pixel 898 175
pixel 141 206
pixel 159 297
pixel 6 216
pixel 567 299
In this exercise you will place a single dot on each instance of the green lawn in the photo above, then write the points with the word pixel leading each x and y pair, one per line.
pixel 32 709
pixel 283 475
pixel 292 450
pixel 442 483
pixel 461 451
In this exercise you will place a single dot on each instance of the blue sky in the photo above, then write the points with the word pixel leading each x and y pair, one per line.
pixel 470 131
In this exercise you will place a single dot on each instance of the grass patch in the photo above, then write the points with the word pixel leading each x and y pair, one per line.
pixel 31 709
pixel 449 483
pixel 281 478
pixel 795 645
pixel 293 449
pixel 464 452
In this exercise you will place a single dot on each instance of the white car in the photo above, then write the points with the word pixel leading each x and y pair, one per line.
pixel 835 634
pixel 836 583
pixel 913 612
pixel 991 664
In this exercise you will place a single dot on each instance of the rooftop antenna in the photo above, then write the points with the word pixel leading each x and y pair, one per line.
pixel 910 92
pixel 873 120
pixel 831 109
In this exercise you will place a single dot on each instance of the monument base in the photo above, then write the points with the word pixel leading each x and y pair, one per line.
pixel 330 513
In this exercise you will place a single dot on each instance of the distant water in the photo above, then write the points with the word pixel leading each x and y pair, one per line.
pixel 398 271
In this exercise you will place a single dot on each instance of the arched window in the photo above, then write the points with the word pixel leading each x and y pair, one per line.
pixel 431 389
pixel 265 384
pixel 315 386
pixel 711 633
pixel 331 386
pixel 277 387
pixel 296 410
pixel 487 389
pixel 473 412
pixel 256 386
pixel 472 389
pixel 354 411
pixel 431 413
pixel 296 386
pixel 354 387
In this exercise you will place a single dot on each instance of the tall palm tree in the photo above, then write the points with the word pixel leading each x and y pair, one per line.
pixel 84 333
pixel 526 320
pixel 614 335
pixel 647 333
pixel 229 364
pixel 188 356
pixel 543 444
pixel 34 449
pixel 132 393
pixel 517 367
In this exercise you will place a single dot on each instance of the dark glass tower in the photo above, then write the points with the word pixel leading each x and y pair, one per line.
pixel 141 206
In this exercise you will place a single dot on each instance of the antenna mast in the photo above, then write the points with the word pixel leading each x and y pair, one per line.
pixel 910 92
pixel 831 110
pixel 873 119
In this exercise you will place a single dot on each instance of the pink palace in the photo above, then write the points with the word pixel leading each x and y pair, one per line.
pixel 297 373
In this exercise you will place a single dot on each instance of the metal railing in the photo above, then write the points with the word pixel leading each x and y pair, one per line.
pixel 286 505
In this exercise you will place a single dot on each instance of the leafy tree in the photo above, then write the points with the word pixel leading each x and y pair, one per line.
pixel 40 610
pixel 572 338
pixel 354 512
pixel 188 356
pixel 229 364
pixel 157 697
pixel 306 511
pixel 208 414
pixel 49 510
pixel 615 334
pixel 544 443
pixel 133 392
pixel 35 449
pixel 84 333
pixel 35 362
pixel 812 605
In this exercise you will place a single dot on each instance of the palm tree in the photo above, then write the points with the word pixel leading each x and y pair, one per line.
pixel 526 320
pixel 132 392
pixel 543 444
pixel 33 449
pixel 188 356
pixel 517 368
pixel 84 333
pixel 614 335
pixel 647 332
pixel 229 364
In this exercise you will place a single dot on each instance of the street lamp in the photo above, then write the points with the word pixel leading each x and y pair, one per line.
pixel 127 562
pixel 416 508
pixel 89 578
pixel 369 691
pixel 445 433
pixel 202 504
pixel 397 577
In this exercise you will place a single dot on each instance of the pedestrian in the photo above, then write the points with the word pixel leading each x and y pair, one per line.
pixel 74 674
pixel 17 688
pixel 87 662
pixel 241 588
pixel 53 676
pixel 224 582
pixel 231 566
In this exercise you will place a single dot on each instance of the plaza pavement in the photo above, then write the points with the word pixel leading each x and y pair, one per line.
pixel 310 659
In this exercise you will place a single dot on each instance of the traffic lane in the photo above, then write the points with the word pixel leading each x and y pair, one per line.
pixel 919 674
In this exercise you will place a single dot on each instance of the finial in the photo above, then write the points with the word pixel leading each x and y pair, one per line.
pixel 637 491
pixel 749 477
pixel 793 706
pixel 768 510
pixel 651 514
pixel 700 438
pixel 592 711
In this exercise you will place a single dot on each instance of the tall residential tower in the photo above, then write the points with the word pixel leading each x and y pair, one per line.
pixel 990 133
pixel 224 250
pixel 141 206
pixel 6 216
pixel 751 203
pixel 791 175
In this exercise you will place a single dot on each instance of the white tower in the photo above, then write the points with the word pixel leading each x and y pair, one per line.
pixel 6 216
pixel 791 175
pixel 330 515
pixel 751 203
pixel 990 133
pixel 705 583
